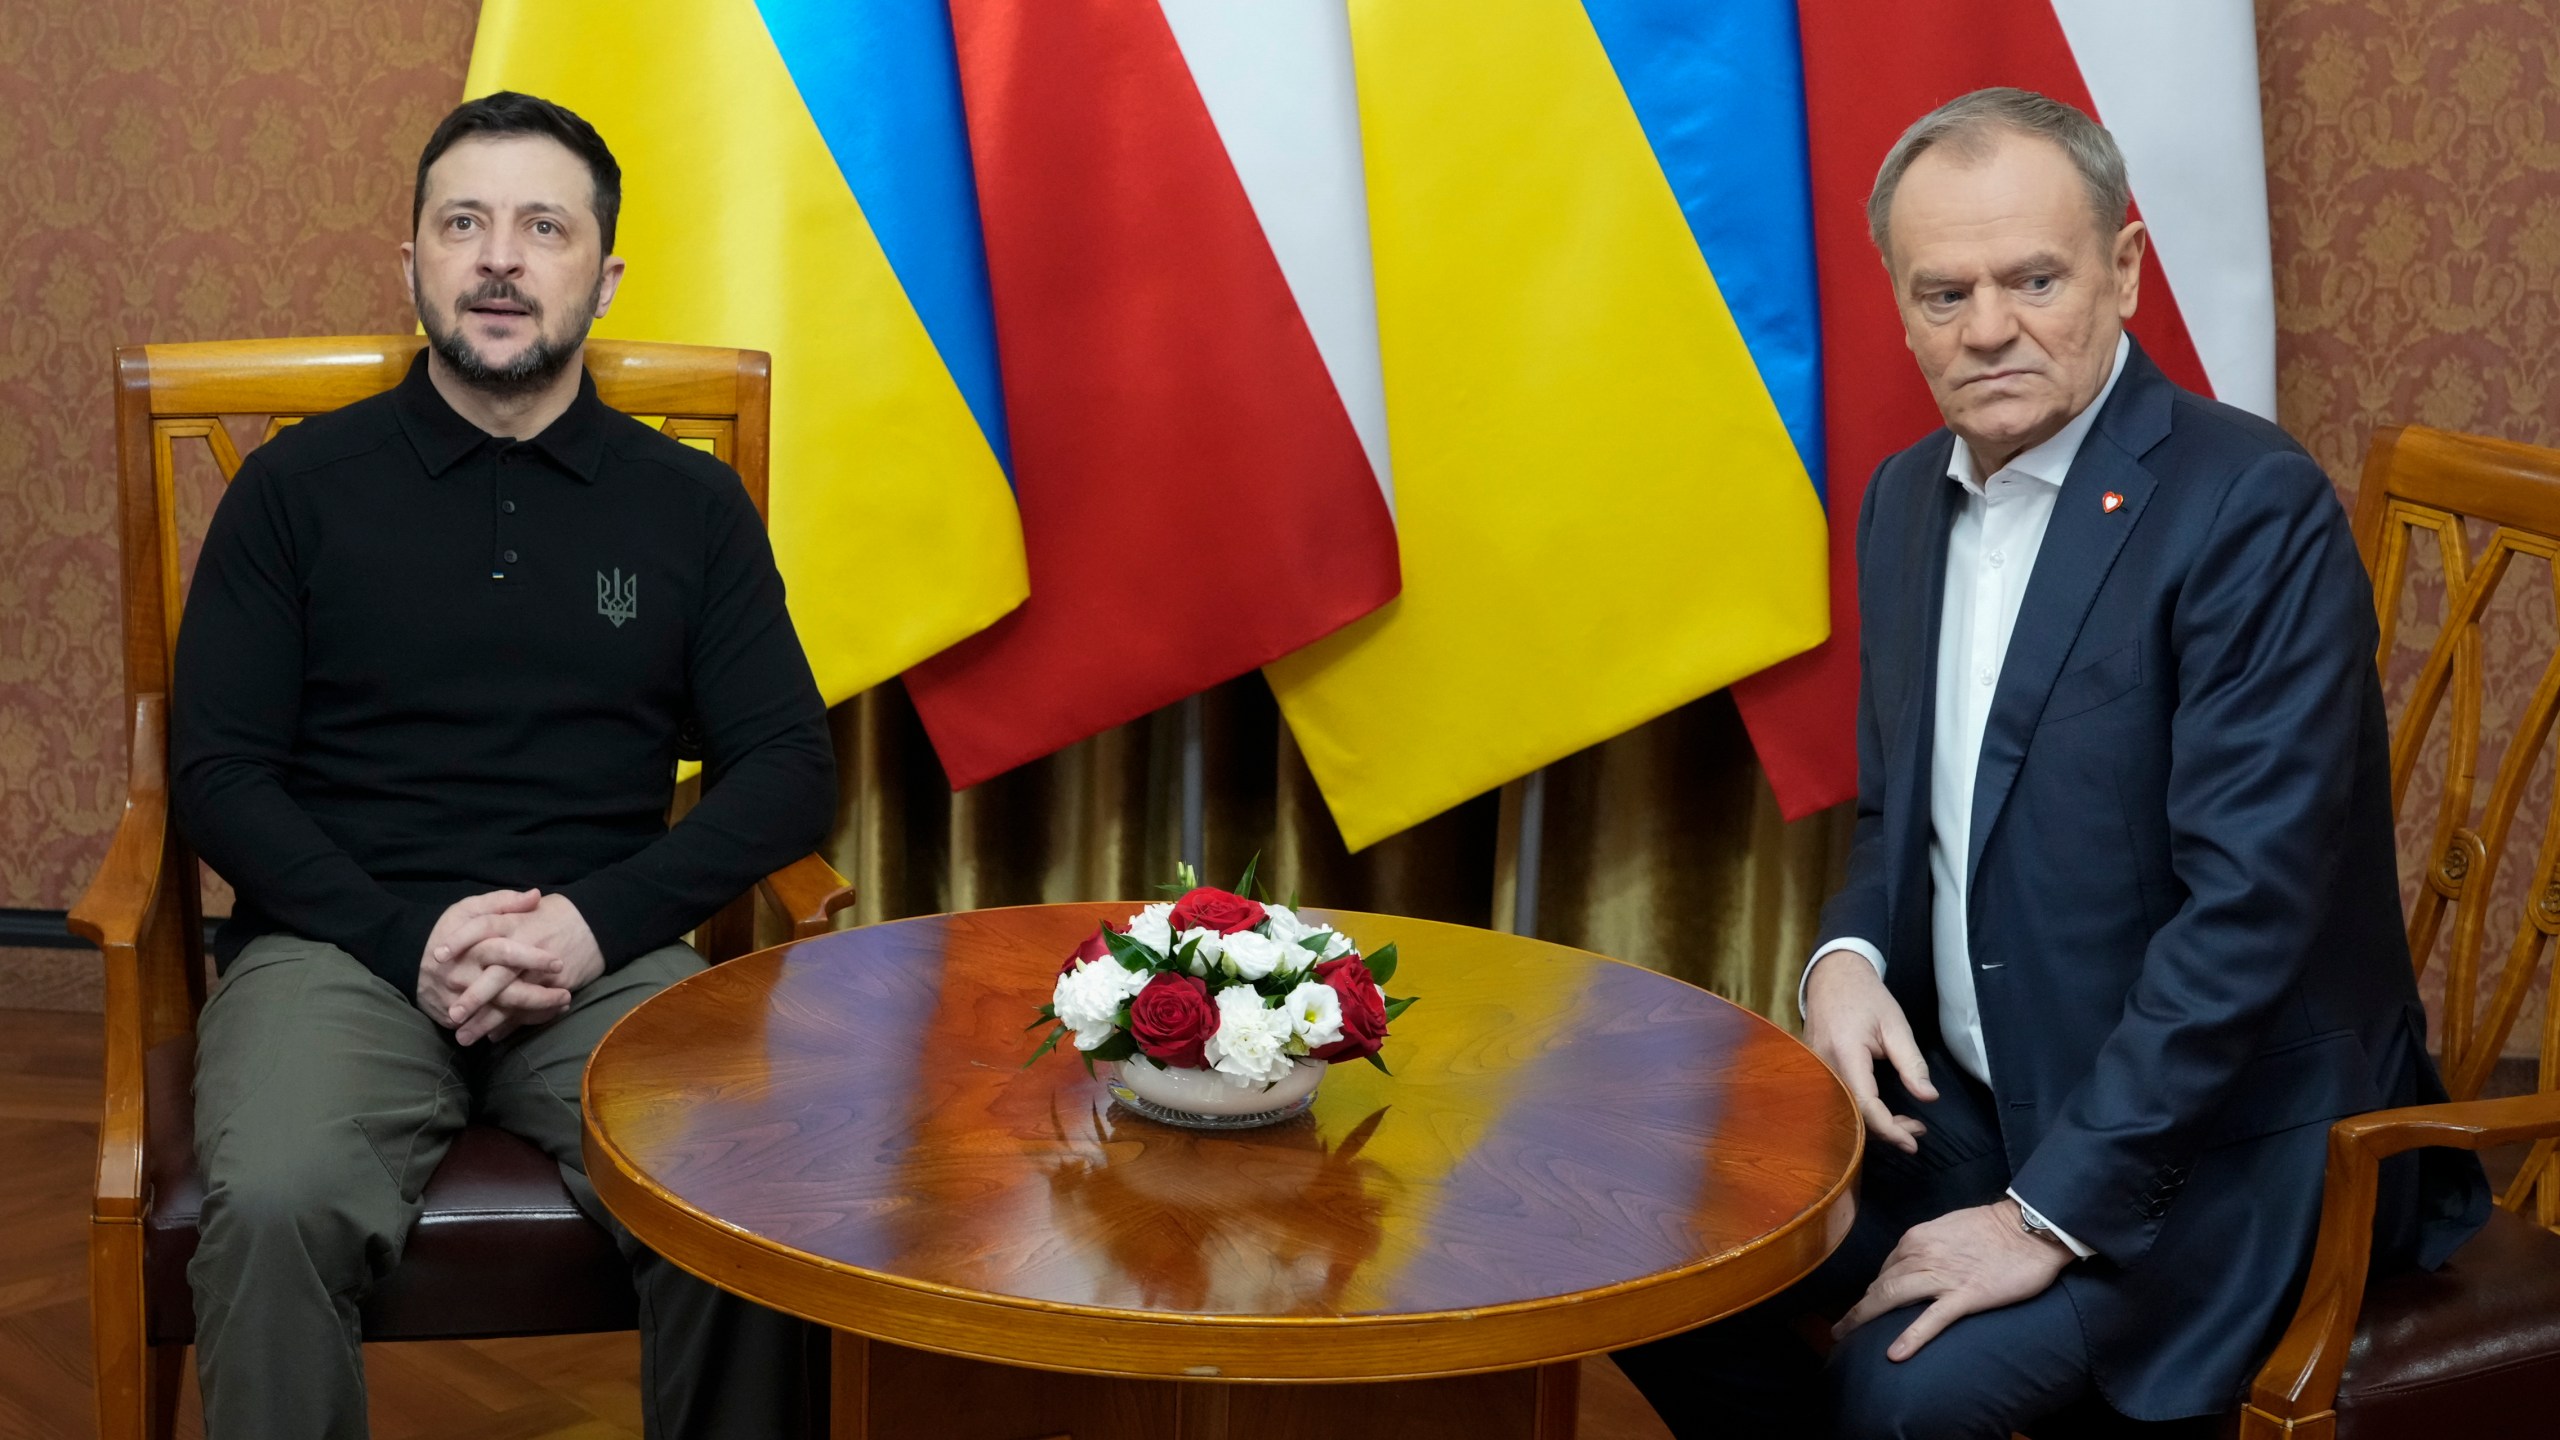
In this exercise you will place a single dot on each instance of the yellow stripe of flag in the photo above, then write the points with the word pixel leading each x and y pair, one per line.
pixel 1600 513
pixel 892 521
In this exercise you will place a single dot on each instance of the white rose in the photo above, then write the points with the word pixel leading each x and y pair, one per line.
pixel 1250 956
pixel 1153 928
pixel 1251 1046
pixel 1315 1014
pixel 1089 997
pixel 1212 945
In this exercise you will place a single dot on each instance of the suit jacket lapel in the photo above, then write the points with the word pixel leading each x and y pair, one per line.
pixel 2080 546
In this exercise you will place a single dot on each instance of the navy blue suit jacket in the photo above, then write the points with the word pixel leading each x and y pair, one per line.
pixel 2185 916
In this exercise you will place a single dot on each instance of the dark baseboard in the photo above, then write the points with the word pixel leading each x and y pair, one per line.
pixel 46 930
pixel 37 930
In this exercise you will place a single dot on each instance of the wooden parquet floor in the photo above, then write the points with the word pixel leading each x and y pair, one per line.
pixel 560 1388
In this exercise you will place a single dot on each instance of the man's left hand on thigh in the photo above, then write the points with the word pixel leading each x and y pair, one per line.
pixel 1959 1264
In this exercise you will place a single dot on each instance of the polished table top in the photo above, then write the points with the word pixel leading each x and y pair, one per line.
pixel 1573 1154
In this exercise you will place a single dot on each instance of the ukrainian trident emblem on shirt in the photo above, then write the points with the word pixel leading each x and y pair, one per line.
pixel 617 599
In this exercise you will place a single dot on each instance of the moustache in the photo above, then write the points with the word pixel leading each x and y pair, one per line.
pixel 490 290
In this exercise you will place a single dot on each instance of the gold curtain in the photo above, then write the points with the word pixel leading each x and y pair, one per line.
pixel 1662 846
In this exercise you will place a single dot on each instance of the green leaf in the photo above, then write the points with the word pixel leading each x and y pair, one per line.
pixel 1190 952
pixel 1244 886
pixel 1314 944
pixel 1131 954
pixel 1120 1046
pixel 1045 1047
pixel 1382 966
pixel 1381 1064
pixel 1293 897
pixel 1397 1007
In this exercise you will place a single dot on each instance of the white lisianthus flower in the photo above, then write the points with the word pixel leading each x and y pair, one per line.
pixel 1153 928
pixel 1315 1015
pixel 1282 924
pixel 1251 1046
pixel 1212 945
pixel 1250 956
pixel 1089 997
pixel 1290 931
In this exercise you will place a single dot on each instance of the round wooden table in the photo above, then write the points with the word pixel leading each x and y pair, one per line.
pixel 1573 1155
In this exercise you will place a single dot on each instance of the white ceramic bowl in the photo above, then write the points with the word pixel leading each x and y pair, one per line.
pixel 1205 1092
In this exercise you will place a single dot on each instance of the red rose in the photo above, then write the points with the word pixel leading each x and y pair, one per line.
pixel 1364 1010
pixel 1172 1019
pixel 1093 948
pixel 1216 911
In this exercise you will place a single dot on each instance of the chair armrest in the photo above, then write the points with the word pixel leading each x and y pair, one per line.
pixel 2297 1389
pixel 807 893
pixel 116 913
pixel 115 909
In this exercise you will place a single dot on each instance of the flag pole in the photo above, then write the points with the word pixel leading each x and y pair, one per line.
pixel 1530 854
pixel 1195 800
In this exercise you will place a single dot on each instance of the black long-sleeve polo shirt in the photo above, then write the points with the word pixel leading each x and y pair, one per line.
pixel 420 662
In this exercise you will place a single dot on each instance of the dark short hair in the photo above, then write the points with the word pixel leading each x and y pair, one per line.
pixel 510 113
pixel 1970 125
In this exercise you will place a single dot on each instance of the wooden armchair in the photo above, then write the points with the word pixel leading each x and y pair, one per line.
pixel 500 1249
pixel 2473 1349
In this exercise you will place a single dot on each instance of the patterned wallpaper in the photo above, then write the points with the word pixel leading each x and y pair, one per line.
pixel 176 170
pixel 186 169
pixel 2413 153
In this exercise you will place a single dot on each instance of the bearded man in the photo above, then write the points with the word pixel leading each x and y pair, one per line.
pixel 434 664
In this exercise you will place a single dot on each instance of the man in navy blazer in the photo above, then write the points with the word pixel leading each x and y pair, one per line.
pixel 2121 933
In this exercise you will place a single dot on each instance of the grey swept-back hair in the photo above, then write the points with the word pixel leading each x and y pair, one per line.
pixel 1969 125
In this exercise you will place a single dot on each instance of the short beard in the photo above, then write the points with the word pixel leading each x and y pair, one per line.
pixel 531 371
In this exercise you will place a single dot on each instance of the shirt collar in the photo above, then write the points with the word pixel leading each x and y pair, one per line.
pixel 442 437
pixel 2050 461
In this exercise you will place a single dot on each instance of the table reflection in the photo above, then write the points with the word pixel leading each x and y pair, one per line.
pixel 1276 1226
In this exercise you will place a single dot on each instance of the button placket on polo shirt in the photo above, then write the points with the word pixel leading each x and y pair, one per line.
pixel 504 466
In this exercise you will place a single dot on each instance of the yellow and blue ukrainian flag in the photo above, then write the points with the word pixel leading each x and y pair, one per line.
pixel 1598 330
pixel 797 180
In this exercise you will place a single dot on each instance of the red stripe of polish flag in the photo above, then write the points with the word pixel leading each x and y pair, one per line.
pixel 1195 500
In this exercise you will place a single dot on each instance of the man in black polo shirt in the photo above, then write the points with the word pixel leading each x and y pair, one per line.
pixel 435 663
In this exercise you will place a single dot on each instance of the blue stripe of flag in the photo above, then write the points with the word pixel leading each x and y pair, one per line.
pixel 882 81
pixel 1719 89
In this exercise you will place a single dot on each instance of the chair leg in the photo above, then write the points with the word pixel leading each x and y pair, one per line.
pixel 125 1364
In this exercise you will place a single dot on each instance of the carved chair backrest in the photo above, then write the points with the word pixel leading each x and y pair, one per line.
pixel 168 396
pixel 2431 495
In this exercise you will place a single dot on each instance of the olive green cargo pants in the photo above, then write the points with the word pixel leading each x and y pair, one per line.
pixel 324 1099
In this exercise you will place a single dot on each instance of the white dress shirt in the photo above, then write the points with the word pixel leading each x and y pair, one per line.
pixel 1991 554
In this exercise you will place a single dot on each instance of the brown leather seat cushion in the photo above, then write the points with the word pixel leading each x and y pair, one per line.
pixel 500 1250
pixel 2470 1349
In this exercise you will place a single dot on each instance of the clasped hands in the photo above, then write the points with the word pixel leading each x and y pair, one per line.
pixel 507 959
pixel 1963 1262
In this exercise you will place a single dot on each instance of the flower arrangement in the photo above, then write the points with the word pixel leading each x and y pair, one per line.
pixel 1220 982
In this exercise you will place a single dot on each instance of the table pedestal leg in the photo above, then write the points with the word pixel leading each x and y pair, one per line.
pixel 887 1392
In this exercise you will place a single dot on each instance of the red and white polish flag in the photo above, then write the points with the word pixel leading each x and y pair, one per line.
pixel 2176 83
pixel 1177 246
